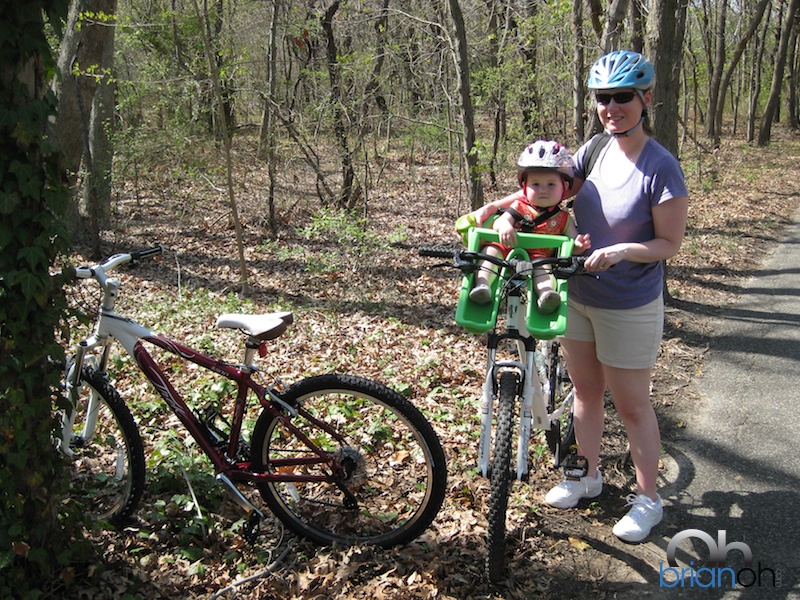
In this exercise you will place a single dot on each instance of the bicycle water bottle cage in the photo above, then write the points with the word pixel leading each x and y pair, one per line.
pixel 575 467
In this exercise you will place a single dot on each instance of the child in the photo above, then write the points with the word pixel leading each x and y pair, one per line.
pixel 545 171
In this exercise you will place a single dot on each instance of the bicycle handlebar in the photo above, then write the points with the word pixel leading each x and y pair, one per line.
pixel 112 262
pixel 467 261
pixel 437 252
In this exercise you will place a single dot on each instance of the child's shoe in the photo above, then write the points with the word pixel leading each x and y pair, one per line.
pixel 481 294
pixel 549 302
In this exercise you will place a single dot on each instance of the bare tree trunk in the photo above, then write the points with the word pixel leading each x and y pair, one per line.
pixel 716 74
pixel 84 64
pixel 266 148
pixel 578 73
pixel 794 119
pixel 531 107
pixel 237 224
pixel 777 77
pixel 665 32
pixel 666 26
pixel 467 112
pixel 638 28
pixel 373 89
pixel 97 185
pixel 350 190
pixel 497 40
pixel 733 63
pixel 755 84
pixel 596 16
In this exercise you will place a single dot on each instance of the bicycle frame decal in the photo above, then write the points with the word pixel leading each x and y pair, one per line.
pixel 174 400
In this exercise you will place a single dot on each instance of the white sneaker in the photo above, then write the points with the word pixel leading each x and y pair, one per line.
pixel 641 518
pixel 569 492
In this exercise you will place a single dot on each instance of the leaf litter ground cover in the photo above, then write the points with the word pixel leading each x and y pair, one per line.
pixel 365 303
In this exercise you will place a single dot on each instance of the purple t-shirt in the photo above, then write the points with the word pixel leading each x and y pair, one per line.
pixel 615 205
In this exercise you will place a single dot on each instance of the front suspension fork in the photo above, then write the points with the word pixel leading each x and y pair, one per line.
pixel 532 409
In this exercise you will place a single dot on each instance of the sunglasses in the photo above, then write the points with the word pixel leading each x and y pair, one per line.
pixel 619 98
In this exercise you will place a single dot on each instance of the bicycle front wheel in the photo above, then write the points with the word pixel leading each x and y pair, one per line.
pixel 500 477
pixel 393 477
pixel 106 457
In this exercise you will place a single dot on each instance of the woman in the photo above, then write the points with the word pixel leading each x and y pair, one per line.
pixel 634 206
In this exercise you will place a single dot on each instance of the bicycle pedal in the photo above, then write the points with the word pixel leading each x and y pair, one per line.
pixel 251 527
pixel 575 467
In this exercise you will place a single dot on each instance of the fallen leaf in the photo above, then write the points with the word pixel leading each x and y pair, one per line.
pixel 578 543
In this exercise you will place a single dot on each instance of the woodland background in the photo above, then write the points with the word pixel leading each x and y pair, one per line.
pixel 291 156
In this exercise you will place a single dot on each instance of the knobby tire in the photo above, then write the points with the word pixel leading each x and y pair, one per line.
pixel 394 463
pixel 500 477
pixel 107 470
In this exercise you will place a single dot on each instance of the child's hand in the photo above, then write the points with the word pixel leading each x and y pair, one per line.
pixel 508 235
pixel 583 242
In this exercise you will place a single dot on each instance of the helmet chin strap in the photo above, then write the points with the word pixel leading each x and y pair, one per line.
pixel 630 131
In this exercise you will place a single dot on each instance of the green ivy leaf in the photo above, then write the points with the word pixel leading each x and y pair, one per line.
pixel 6 235
pixel 34 256
pixel 29 283
pixel 27 179
pixel 8 202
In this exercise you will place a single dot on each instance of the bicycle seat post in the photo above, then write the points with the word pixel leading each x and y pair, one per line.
pixel 251 344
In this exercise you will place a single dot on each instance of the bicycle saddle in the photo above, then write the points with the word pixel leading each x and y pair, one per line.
pixel 262 327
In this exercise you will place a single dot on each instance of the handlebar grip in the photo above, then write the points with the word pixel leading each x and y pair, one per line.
pixel 147 252
pixel 437 252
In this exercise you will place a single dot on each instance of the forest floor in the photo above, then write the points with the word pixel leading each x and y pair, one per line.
pixel 365 303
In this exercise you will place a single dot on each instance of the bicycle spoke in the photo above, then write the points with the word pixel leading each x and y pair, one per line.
pixel 388 479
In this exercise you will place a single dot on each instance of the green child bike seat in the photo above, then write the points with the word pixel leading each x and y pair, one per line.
pixel 477 318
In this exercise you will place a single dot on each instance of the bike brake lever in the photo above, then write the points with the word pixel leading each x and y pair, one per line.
pixel 465 266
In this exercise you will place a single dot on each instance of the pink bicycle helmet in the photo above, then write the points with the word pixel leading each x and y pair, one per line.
pixel 546 155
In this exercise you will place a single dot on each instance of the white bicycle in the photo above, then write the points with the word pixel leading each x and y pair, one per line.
pixel 535 379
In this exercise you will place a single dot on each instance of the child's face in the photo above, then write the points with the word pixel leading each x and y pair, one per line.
pixel 544 188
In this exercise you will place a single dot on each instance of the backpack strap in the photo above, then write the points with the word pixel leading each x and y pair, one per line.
pixel 596 144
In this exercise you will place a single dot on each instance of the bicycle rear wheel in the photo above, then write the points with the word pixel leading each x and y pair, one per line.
pixel 394 478
pixel 561 436
pixel 500 477
pixel 106 457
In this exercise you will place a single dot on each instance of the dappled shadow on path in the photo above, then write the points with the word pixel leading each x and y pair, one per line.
pixel 764 520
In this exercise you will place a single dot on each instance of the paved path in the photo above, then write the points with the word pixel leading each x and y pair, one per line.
pixel 736 468
pixel 744 445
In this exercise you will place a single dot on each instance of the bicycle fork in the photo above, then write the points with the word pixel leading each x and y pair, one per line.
pixel 532 409
pixel 73 384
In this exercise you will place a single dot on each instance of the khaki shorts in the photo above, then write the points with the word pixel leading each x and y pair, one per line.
pixel 624 338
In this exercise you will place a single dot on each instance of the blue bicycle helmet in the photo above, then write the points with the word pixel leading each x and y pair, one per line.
pixel 621 69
